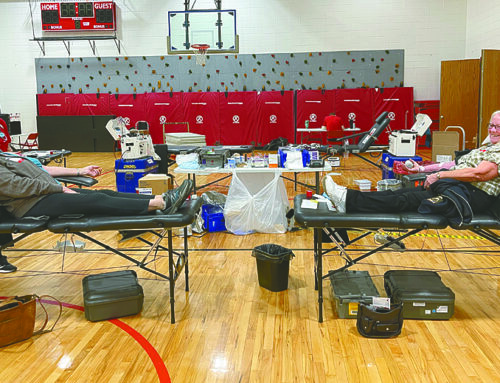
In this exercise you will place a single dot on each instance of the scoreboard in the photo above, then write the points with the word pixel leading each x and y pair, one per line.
pixel 78 16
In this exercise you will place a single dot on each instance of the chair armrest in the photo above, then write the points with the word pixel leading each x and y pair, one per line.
pixel 77 180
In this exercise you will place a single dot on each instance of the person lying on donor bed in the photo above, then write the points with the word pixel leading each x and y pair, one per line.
pixel 472 183
pixel 30 190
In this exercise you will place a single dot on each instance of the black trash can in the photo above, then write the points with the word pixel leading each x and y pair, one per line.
pixel 273 265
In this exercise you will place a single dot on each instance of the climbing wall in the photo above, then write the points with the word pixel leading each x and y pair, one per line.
pixel 223 73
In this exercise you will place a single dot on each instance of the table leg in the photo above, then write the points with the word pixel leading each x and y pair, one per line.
pixel 194 182
pixel 320 275
pixel 171 276
pixel 186 257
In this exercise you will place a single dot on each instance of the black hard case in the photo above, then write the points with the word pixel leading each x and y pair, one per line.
pixel 350 288
pixel 112 295
pixel 423 294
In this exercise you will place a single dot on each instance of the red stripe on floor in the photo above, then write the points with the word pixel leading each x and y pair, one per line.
pixel 160 367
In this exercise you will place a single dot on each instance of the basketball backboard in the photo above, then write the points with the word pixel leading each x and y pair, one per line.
pixel 217 28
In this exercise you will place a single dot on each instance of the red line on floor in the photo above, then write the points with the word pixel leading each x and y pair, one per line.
pixel 160 367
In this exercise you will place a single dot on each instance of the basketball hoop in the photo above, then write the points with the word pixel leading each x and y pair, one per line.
pixel 200 51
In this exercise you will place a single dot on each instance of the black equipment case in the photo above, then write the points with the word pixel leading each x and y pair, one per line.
pixel 350 288
pixel 423 294
pixel 112 295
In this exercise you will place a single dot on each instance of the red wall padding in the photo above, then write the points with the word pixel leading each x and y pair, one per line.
pixel 399 103
pixel 90 104
pixel 314 105
pixel 275 116
pixel 164 108
pixel 131 107
pixel 240 118
pixel 201 110
pixel 54 104
pixel 237 118
pixel 355 105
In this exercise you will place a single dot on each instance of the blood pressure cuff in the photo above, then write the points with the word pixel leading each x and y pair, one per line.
pixel 379 322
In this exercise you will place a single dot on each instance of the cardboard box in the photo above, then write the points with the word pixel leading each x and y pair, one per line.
pixel 273 160
pixel 444 145
pixel 158 183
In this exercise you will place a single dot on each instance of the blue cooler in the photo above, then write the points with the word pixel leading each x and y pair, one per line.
pixel 129 172
pixel 388 164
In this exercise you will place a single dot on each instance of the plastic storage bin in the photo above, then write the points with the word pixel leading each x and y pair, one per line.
pixel 273 266
pixel 423 294
pixel 213 218
pixel 350 288
pixel 112 295
pixel 364 185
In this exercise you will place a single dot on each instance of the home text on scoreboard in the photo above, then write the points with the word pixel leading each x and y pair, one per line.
pixel 78 16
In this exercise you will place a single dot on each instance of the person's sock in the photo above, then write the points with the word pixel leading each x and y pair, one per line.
pixel 336 193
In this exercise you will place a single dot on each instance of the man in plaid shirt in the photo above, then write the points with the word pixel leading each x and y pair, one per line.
pixel 476 171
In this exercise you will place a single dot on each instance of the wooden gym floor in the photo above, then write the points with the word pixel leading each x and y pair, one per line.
pixel 229 329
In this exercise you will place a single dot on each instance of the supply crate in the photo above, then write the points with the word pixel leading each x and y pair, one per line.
pixel 112 295
pixel 351 288
pixel 213 218
pixel 423 294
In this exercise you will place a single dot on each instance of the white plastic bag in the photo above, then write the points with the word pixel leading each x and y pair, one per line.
pixel 256 202
pixel 294 160
pixel 187 161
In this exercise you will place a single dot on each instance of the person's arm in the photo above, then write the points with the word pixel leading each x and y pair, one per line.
pixel 57 171
pixel 416 168
pixel 485 171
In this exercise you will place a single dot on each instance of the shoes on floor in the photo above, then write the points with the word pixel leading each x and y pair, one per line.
pixel 174 198
pixel 336 193
pixel 5 266
pixel 382 239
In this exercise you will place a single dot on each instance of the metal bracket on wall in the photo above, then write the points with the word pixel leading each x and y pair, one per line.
pixel 67 41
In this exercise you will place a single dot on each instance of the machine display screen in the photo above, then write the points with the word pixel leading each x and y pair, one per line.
pixel 76 16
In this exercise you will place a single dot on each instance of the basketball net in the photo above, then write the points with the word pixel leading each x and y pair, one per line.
pixel 200 52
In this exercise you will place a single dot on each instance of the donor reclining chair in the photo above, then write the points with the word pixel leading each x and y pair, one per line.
pixel 366 141
pixel 161 226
